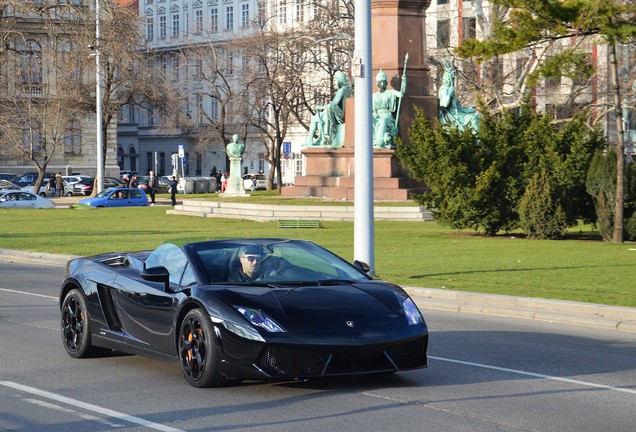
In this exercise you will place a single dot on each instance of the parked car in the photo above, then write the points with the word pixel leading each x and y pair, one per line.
pixel 7 185
pixel 118 197
pixel 26 179
pixel 261 182
pixel 23 199
pixel 72 179
pixel 84 187
pixel 6 176
pixel 45 191
pixel 162 181
pixel 113 182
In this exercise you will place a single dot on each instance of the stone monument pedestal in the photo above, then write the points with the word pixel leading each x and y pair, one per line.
pixel 235 182
pixel 330 174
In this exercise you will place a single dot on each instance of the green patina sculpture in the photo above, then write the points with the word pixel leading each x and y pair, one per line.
pixel 386 110
pixel 451 111
pixel 235 148
pixel 327 124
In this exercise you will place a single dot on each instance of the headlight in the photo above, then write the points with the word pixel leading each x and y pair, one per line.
pixel 260 319
pixel 243 331
pixel 413 315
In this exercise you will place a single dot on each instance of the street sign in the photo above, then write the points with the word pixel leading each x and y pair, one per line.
pixel 181 151
pixel 286 146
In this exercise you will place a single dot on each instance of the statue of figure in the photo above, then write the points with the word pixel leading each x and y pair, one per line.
pixel 328 117
pixel 235 149
pixel 451 111
pixel 385 111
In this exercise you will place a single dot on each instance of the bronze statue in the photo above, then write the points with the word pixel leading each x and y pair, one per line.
pixel 325 129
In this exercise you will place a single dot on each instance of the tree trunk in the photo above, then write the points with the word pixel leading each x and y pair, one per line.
pixel 620 149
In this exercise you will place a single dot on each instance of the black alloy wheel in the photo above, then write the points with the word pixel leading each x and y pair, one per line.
pixel 75 327
pixel 198 355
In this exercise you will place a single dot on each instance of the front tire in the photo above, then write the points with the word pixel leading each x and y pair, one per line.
pixel 198 355
pixel 75 327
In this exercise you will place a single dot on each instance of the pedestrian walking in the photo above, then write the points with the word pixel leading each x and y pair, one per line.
pixel 173 190
pixel 153 184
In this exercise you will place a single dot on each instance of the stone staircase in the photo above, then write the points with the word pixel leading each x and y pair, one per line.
pixel 265 212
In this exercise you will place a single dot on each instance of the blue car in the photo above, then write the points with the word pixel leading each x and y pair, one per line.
pixel 118 197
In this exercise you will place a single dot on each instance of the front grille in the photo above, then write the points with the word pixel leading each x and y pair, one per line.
pixel 411 354
pixel 290 362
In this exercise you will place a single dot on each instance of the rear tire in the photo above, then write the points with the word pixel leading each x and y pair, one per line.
pixel 198 355
pixel 75 327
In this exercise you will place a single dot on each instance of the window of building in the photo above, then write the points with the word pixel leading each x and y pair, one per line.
pixel 132 156
pixel 214 20
pixel 73 138
pixel 282 11
pixel 186 164
pixel 175 25
pixel 299 15
pixel 162 164
pixel 32 137
pixel 442 2
pixel 443 33
pixel 150 29
pixel 31 66
pixel 199 105
pixel 162 27
pixel 176 67
pixel 245 15
pixel 469 28
pixel 149 163
pixel 199 163
pixel 229 18
pixel 298 163
pixel 230 62
pixel 198 21
pixel 214 109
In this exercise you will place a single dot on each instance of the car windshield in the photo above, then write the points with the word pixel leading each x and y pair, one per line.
pixel 272 262
pixel 104 194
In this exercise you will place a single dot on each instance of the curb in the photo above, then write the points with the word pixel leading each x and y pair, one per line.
pixel 621 319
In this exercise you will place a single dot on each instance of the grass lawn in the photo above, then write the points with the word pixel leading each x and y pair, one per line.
pixel 424 254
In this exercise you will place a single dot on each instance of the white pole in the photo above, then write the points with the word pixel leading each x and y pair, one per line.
pixel 99 177
pixel 363 183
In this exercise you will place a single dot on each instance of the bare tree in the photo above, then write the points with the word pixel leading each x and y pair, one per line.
pixel 37 119
pixel 128 74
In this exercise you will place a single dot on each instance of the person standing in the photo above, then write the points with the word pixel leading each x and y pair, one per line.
pixel 153 184
pixel 52 184
pixel 173 190
pixel 59 184
pixel 133 181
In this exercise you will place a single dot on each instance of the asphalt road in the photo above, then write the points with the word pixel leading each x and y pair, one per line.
pixel 485 374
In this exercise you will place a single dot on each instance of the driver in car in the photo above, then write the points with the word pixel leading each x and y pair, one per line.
pixel 256 265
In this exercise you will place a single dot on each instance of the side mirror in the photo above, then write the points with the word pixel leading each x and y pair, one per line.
pixel 157 274
pixel 362 266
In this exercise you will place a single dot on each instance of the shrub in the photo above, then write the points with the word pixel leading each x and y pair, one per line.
pixel 541 215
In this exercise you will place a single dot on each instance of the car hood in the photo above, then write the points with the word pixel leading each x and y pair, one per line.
pixel 372 306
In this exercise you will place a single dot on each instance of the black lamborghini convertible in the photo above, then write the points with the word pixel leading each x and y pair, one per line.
pixel 241 309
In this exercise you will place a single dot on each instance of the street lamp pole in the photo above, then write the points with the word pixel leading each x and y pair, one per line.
pixel 99 177
pixel 363 180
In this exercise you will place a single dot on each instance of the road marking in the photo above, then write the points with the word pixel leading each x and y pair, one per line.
pixel 90 407
pixel 537 375
pixel 28 293
pixel 64 410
